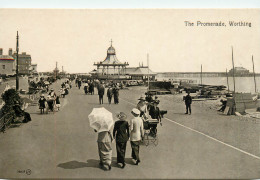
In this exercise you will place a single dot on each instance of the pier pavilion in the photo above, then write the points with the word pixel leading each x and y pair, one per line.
pixel 111 66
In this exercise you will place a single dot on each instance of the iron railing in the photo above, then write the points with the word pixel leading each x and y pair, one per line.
pixel 5 122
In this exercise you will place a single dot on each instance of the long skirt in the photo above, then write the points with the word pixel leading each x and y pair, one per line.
pixel 105 152
pixel 135 149
pixel 120 149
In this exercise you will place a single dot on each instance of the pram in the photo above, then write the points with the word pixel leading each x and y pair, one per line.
pixel 150 137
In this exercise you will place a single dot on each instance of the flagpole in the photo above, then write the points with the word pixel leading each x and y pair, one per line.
pixel 234 94
pixel 233 71
pixel 227 80
pixel 17 71
pixel 148 72
pixel 201 74
pixel 254 71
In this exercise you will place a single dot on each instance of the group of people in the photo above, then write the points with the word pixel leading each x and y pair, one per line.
pixel 111 92
pixel 65 86
pixel 53 100
pixel 48 103
pixel 147 108
pixel 121 133
pixel 89 87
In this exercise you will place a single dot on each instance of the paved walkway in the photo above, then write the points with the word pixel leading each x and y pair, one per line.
pixel 62 145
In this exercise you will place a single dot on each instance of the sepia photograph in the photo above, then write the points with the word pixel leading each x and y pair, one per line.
pixel 135 91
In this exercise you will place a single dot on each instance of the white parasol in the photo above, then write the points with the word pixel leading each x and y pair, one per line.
pixel 46 82
pixel 101 119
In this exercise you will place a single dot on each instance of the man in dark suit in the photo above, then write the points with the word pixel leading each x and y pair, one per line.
pixel 101 92
pixel 188 101
pixel 109 94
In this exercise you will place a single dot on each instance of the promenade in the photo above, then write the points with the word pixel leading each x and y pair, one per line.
pixel 205 144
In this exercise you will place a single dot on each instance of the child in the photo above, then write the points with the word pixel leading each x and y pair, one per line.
pixel 42 101
pixel 62 92
pixel 58 102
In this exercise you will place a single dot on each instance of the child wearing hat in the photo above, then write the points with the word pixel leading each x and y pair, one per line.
pixel 58 102
pixel 42 101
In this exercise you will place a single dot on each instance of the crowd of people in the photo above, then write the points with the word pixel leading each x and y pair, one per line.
pixel 124 130
pixel 52 101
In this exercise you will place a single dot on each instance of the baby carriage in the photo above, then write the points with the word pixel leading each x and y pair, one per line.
pixel 149 136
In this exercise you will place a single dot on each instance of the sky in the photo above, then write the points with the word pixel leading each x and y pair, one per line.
pixel 130 4
pixel 76 38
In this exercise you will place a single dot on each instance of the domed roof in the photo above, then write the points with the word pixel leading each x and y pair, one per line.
pixel 111 50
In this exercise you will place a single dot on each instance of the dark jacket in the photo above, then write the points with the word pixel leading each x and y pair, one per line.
pixel 116 92
pixel 188 99
pixel 109 92
pixel 121 131
pixel 42 102
pixel 101 90
pixel 155 113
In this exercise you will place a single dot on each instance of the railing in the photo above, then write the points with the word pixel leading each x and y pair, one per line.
pixel 5 122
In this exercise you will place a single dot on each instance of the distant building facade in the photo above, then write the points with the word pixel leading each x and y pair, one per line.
pixel 239 71
pixel 7 64
pixel 24 63
pixel 33 68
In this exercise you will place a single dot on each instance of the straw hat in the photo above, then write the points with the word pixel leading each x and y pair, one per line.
pixel 141 98
pixel 135 112
pixel 52 89
pixel 42 95
pixel 121 115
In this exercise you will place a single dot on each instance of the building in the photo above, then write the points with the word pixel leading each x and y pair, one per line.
pixel 111 66
pixel 7 64
pixel 239 71
pixel 140 73
pixel 24 63
pixel 33 68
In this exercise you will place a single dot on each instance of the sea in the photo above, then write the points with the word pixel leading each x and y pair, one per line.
pixel 242 84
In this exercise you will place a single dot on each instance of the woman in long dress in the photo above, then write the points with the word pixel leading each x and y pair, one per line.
pixel 121 134
pixel 105 148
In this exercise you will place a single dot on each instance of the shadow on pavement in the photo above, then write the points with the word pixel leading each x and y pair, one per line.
pixel 76 164
pixel 181 114
pixel 127 161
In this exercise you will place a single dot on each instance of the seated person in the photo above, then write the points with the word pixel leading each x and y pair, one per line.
pixel 19 112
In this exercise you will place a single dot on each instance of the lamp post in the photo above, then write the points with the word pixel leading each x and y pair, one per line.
pixel 17 71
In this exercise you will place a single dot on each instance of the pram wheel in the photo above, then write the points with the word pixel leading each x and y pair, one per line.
pixel 146 139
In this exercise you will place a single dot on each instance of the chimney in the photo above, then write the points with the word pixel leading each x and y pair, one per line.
pixel 1 51
pixel 10 52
